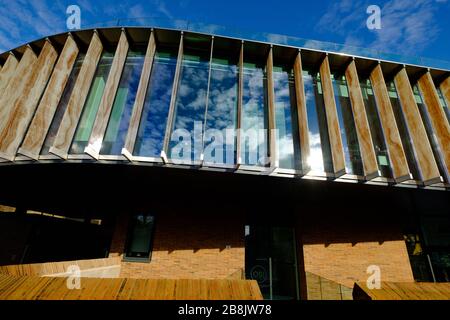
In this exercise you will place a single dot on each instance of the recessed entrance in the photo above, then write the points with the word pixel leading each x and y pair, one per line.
pixel 270 259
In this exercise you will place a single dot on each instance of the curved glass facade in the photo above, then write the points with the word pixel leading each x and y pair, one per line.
pixel 234 105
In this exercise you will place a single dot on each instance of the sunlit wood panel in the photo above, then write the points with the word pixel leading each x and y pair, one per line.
pixel 173 100
pixel 41 122
pixel 397 155
pixel 423 151
pixel 366 147
pixel 436 113
pixel 24 107
pixel 302 116
pixel 274 162
pixel 337 150
pixel 107 101
pixel 7 72
pixel 77 99
pixel 15 85
pixel 13 91
pixel 138 106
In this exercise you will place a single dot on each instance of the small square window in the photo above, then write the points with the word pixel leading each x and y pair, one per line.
pixel 139 239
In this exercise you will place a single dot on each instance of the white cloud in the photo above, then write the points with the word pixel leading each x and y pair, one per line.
pixel 407 27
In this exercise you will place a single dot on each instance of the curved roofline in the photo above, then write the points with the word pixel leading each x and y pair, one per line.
pixel 286 44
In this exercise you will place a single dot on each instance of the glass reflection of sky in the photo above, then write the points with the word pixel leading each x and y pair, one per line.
pixel 353 161
pixel 315 161
pixel 119 120
pixel 283 118
pixel 150 138
pixel 222 112
pixel 190 104
pixel 254 111
pixel 90 109
pixel 61 109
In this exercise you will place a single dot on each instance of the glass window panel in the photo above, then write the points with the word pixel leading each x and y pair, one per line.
pixel 90 109
pixel 285 117
pixel 353 161
pixel 254 121
pixel 187 131
pixel 62 105
pixel 221 119
pixel 140 237
pixel 119 120
pixel 320 154
pixel 150 138
pixel 443 103
pixel 376 129
pixel 403 130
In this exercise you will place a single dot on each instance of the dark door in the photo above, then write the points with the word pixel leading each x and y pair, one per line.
pixel 271 260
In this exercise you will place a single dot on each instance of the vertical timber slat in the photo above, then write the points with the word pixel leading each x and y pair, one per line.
pixel 7 72
pixel 76 102
pixel 14 90
pixel 394 143
pixel 138 107
pixel 107 101
pixel 173 100
pixel 14 126
pixel 437 116
pixel 425 158
pixel 334 132
pixel 302 115
pixel 274 161
pixel 362 124
pixel 46 109
pixel 15 86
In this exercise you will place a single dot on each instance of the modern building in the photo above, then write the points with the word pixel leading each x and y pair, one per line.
pixel 151 153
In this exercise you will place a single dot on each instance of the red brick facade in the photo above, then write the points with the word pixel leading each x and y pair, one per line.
pixel 188 246
pixel 343 253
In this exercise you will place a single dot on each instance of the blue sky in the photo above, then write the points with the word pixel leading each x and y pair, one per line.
pixel 409 27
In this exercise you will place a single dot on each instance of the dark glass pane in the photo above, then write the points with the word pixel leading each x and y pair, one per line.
pixel 403 130
pixel 286 117
pixel 271 260
pixel 376 129
pixel 221 119
pixel 187 131
pixel 90 109
pixel 443 103
pixel 61 109
pixel 418 258
pixel 353 160
pixel 150 138
pixel 140 237
pixel 119 120
pixel 254 131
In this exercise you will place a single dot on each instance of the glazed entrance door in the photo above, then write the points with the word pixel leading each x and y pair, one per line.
pixel 271 260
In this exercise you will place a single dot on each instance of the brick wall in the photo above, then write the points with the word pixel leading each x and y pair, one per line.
pixel 341 251
pixel 188 246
